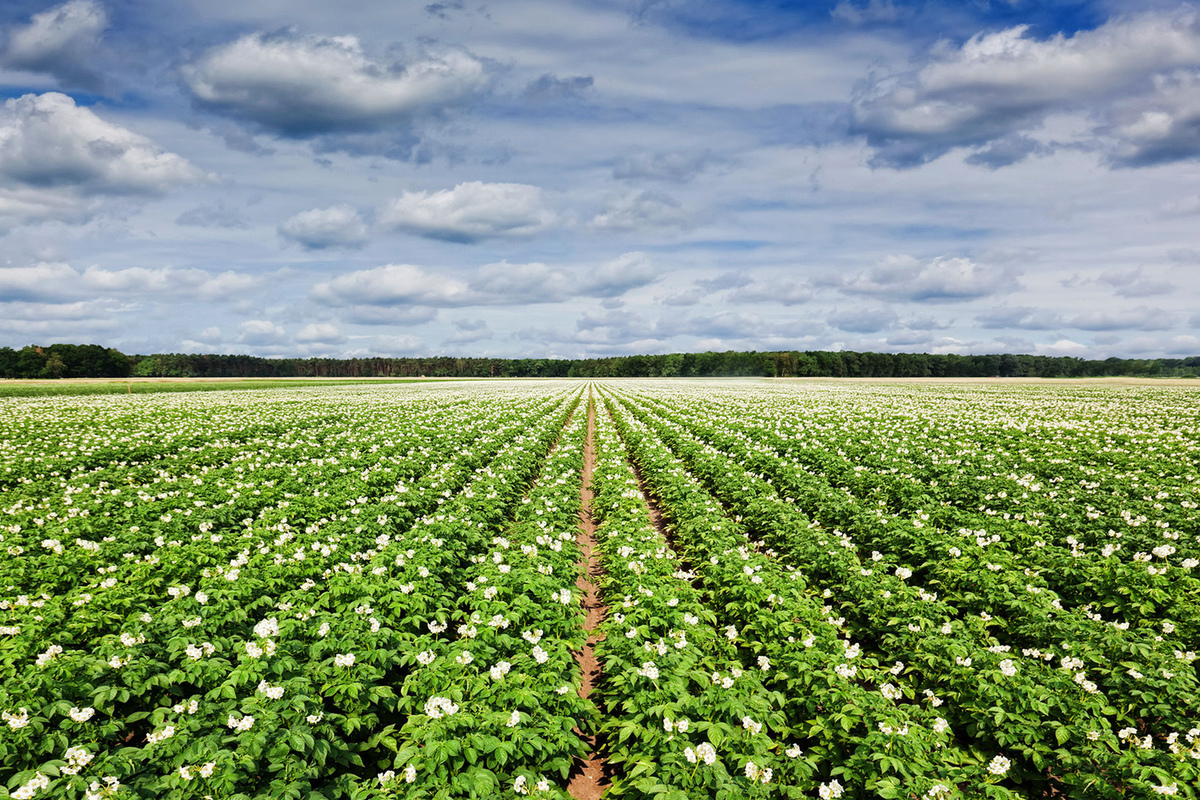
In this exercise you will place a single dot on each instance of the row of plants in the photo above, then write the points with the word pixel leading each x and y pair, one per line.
pixel 1145 670
pixel 878 595
pixel 841 713
pixel 270 674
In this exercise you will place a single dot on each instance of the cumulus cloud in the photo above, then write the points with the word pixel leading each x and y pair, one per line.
pixel 549 87
pixel 1142 318
pixel 392 284
pixel 58 41
pixel 217 215
pixel 55 157
pixel 320 333
pixel 782 290
pixel 469 330
pixel 504 282
pixel 58 282
pixel 999 84
pixel 321 228
pixel 260 332
pixel 1024 317
pixel 872 11
pixel 301 86
pixel 500 283
pixel 941 279
pixel 1135 283
pixel 862 320
pixel 1162 127
pixel 641 209
pixel 470 212
pixel 670 167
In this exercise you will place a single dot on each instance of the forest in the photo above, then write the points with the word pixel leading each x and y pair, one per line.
pixel 96 361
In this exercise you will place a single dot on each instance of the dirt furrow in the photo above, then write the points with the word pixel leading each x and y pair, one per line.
pixel 589 781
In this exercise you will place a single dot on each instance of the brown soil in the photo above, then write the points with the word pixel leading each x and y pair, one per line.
pixel 588 780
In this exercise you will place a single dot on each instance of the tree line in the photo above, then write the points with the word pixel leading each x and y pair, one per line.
pixel 96 361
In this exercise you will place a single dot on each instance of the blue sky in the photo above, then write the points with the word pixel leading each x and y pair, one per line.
pixel 558 178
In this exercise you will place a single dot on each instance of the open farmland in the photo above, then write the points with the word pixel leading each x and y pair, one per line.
pixel 652 589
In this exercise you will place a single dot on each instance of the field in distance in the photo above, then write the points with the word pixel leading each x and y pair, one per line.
pixel 643 589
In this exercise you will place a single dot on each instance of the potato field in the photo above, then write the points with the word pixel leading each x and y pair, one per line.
pixel 646 589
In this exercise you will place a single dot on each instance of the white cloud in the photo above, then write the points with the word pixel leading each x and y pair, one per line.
pixel 57 41
pixel 260 332
pixel 392 284
pixel 1142 318
pixel 940 279
pixel 59 282
pixel 641 209
pixel 1000 83
pixel 534 282
pixel 306 85
pixel 863 320
pixel 320 228
pixel 55 157
pixel 872 11
pixel 1162 127
pixel 470 212
pixel 320 333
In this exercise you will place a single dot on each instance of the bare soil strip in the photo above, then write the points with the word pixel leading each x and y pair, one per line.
pixel 589 781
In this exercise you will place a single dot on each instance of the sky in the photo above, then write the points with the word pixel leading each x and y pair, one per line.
pixel 574 178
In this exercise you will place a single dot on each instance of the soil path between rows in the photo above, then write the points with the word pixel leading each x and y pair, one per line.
pixel 589 781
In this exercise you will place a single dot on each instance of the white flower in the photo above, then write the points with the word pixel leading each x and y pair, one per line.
pixel 514 719
pixel 999 765
pixel 794 751
pixel 166 733
pixel 464 658
pixel 81 714
pixel 185 772
pixel 344 659
pixel 499 670
pixel 890 692
pixel 519 785
pixel 239 725
pixel 273 692
pixel 410 773
pixel 206 769
pixel 426 658
pixel 35 785
pixel 830 790
pixel 690 755
pixel 18 720
pixel 1008 667
pixel 764 663
pixel 267 629
pixel 313 719
pixel 540 655
pixel 77 759
pixel 706 753
pixel 649 670
pixel 438 707
pixel 52 652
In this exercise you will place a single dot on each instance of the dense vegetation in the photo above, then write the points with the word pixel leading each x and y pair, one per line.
pixel 812 590
pixel 94 361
